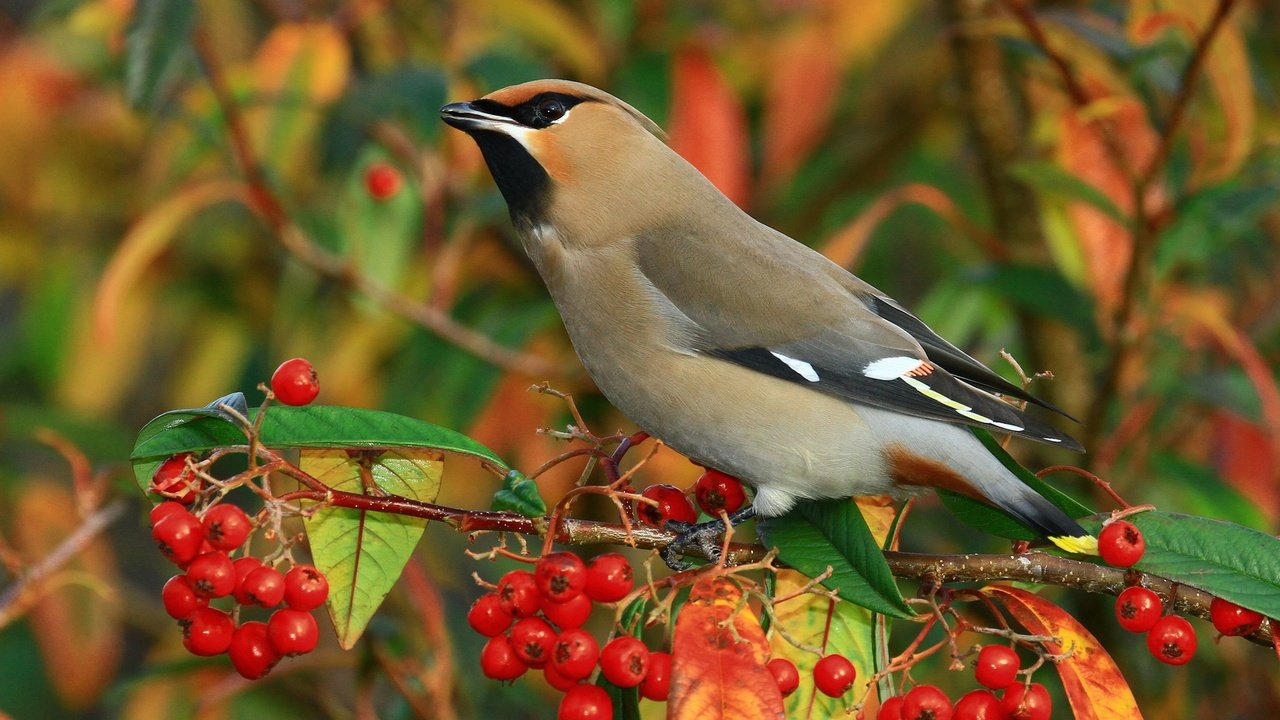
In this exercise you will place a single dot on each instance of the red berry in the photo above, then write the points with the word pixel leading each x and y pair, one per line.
pixel 1231 619
pixel 834 675
pixel 1021 703
pixel 498 660
pixel 264 586
pixel 178 535
pixel 207 632
pixel 251 652
pixel 926 702
pixel 561 576
pixel 571 614
pixel 997 666
pixel 488 617
pixel 292 632
pixel 624 660
pixel 556 680
pixel 657 677
pixel 716 491
pixel 891 709
pixel 979 705
pixel 305 588
pixel 532 639
pixel 175 480
pixel 382 181
pixel 609 578
pixel 226 526
pixel 244 566
pixel 295 382
pixel 1120 544
pixel 180 599
pixel 1172 640
pixel 575 653
pixel 1138 609
pixel 212 574
pixel 785 674
pixel 585 702
pixel 164 510
pixel 518 592
pixel 672 505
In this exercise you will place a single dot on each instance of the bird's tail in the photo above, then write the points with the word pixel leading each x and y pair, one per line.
pixel 1031 508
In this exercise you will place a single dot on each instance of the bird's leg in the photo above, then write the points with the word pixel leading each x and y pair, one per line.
pixel 705 537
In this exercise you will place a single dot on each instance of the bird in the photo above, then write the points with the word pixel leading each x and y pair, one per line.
pixel 739 347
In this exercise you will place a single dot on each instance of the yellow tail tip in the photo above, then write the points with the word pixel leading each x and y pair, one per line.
pixel 1081 545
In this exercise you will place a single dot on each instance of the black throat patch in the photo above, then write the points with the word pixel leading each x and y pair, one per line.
pixel 523 182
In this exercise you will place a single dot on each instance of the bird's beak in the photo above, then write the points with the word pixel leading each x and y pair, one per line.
pixel 467 117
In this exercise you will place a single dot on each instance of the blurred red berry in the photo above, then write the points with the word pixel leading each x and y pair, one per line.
pixel 585 702
pixel 488 617
pixel 624 660
pixel 532 640
pixel 716 491
pixel 173 479
pixel 926 702
pixel 657 677
pixel 251 653
pixel 1121 544
pixel 785 674
pixel 498 660
pixel 556 680
pixel 1138 609
pixel 295 382
pixel 226 527
pixel 561 576
pixel 672 505
pixel 570 614
pixel 264 587
pixel 164 510
pixel 1021 702
pixel 1172 640
pixel 244 566
pixel 1231 619
pixel 834 675
pixel 997 666
pixel 292 632
pixel 305 588
pixel 178 535
pixel 207 632
pixel 518 592
pixel 979 705
pixel 575 653
pixel 180 599
pixel 609 578
pixel 212 574
pixel 891 709
pixel 382 181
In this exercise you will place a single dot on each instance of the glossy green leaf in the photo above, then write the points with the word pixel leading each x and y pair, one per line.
pixel 362 553
pixel 1053 182
pixel 1230 561
pixel 995 521
pixel 815 535
pixel 519 494
pixel 158 32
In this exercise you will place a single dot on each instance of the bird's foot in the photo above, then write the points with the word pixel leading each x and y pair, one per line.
pixel 699 539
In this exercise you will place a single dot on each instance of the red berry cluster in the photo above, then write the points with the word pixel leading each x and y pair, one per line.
pixel 714 491
pixel 202 547
pixel 534 620
pixel 996 669
pixel 833 675
pixel 1170 638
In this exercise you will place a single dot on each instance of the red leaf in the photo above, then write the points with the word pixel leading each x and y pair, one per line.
pixel 1095 687
pixel 800 98
pixel 709 125
pixel 714 674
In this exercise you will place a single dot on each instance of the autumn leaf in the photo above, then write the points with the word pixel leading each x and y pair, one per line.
pixel 709 124
pixel 718 653
pixel 1095 687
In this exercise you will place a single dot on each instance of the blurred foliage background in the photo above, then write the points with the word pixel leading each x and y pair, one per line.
pixel 1090 185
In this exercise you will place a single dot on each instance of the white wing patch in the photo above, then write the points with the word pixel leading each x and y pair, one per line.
pixel 961 409
pixel 892 368
pixel 802 368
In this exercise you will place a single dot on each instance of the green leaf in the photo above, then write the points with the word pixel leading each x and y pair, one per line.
pixel 158 31
pixel 1045 292
pixel 362 553
pixel 1230 561
pixel 815 535
pixel 995 521
pixel 519 494
pixel 1053 182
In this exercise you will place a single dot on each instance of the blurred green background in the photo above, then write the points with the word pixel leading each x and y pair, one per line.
pixel 932 147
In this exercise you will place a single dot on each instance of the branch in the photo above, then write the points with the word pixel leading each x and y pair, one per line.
pixel 269 206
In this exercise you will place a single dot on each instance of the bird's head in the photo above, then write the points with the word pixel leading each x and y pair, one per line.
pixel 572 157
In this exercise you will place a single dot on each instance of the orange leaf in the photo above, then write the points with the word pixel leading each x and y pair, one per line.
pixel 846 245
pixel 715 674
pixel 801 96
pixel 708 123
pixel 309 57
pixel 1095 687
pixel 1247 457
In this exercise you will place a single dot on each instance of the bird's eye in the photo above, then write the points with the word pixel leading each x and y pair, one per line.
pixel 550 110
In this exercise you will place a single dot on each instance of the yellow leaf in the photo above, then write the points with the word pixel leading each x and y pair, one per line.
pixel 311 58
pixel 556 30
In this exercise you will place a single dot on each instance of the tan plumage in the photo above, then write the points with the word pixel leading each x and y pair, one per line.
pixel 736 345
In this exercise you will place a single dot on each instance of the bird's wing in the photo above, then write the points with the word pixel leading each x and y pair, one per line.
pixel 812 324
